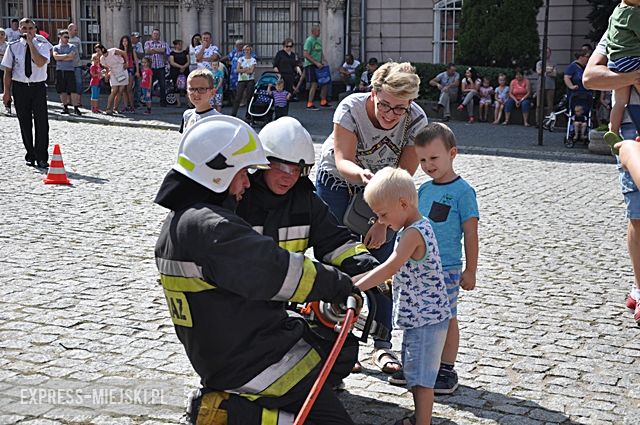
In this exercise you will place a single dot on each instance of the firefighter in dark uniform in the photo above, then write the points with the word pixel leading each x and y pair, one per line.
pixel 282 203
pixel 226 288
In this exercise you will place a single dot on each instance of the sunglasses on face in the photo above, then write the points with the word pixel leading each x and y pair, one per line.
pixel 199 90
pixel 289 45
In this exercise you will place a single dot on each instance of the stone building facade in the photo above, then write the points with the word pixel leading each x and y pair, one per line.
pixel 414 30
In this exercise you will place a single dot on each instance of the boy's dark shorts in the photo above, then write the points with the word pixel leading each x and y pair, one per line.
pixel 66 82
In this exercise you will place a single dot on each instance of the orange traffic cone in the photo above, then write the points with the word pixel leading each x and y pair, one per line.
pixel 57 173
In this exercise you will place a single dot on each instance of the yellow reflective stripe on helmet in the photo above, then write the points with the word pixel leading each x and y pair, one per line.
pixel 306 282
pixel 269 417
pixel 297 245
pixel 185 284
pixel 251 146
pixel 182 160
pixel 348 250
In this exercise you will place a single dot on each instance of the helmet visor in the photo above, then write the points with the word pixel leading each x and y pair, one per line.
pixel 292 169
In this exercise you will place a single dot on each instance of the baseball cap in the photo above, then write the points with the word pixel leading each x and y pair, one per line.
pixel 135 34
pixel 373 61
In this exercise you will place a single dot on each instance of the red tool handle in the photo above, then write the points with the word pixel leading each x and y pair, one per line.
pixel 349 320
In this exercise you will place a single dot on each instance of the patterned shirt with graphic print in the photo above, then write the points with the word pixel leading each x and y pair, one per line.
pixel 419 292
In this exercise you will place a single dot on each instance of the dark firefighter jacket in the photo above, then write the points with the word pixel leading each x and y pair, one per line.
pixel 299 220
pixel 226 287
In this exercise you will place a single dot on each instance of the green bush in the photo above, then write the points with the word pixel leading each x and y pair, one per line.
pixel 499 32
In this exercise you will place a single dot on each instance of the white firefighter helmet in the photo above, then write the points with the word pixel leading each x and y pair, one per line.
pixel 215 148
pixel 287 140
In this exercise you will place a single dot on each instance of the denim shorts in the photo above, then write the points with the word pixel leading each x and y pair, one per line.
pixel 452 282
pixel 627 185
pixel 421 352
pixel 146 95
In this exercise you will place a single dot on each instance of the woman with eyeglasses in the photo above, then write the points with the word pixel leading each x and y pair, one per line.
pixel 371 131
pixel 285 63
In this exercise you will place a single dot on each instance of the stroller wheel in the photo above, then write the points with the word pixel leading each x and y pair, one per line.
pixel 171 98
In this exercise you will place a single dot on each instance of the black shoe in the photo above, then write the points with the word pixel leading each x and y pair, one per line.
pixel 65 110
pixel 325 105
pixel 76 109
pixel 446 382
pixel 30 163
pixel 43 164
pixel 397 378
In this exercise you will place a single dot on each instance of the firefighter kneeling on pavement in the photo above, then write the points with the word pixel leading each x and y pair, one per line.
pixel 227 286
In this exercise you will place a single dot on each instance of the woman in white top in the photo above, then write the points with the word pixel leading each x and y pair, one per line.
pixel 114 61
pixel 372 131
pixel 246 67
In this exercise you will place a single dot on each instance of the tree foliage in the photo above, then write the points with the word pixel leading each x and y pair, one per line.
pixel 501 33
pixel 599 17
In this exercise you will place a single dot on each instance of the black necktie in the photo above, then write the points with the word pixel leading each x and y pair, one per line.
pixel 27 62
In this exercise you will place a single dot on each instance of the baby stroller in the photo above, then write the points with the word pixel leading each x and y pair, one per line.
pixel 261 106
pixel 585 99
pixel 549 122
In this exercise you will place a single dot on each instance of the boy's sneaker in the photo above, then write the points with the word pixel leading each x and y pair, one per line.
pixel 446 382
pixel 397 378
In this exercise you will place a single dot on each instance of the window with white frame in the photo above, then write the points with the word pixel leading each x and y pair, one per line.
pixel 446 23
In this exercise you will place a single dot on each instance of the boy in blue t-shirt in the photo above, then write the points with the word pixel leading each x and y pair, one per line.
pixel 451 206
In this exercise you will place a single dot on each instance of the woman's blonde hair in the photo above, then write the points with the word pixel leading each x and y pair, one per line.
pixel 389 185
pixel 397 79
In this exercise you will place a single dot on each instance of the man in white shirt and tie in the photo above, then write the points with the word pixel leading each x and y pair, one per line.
pixel 25 63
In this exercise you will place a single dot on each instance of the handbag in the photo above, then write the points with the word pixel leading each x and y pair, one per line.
pixel 323 75
pixel 359 217
pixel 122 76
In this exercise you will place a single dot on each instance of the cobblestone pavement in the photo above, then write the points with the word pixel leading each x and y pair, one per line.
pixel 85 336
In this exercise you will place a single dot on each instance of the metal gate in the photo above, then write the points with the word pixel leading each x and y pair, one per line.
pixel 52 16
pixel 266 23
pixel 11 9
pixel 89 27
pixel 160 14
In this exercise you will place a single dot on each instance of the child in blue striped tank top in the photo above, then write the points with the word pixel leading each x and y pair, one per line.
pixel 420 302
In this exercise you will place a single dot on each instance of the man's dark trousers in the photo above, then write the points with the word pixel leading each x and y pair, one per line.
pixel 31 99
pixel 158 75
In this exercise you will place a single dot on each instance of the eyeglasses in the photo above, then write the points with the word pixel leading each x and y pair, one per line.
pixel 199 90
pixel 65 36
pixel 288 45
pixel 397 110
